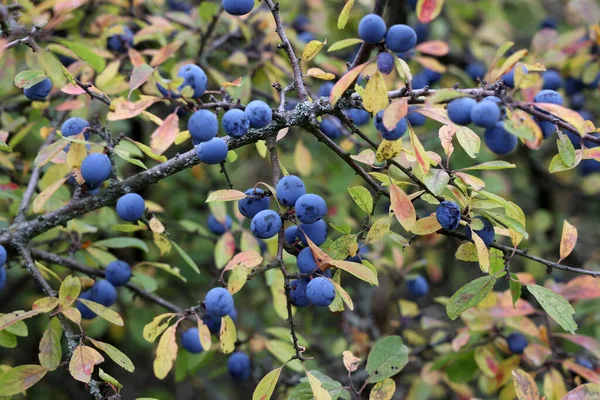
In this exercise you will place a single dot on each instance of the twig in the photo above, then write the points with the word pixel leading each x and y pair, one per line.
pixel 224 172
pixel 93 95
pixel 209 31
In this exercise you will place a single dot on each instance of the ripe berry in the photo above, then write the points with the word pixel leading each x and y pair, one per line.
pixel 395 134
pixel 236 123
pixel 499 140
pixel 219 227
pixel 265 224
pixel 190 340
pixel 459 110
pixel 298 293
pixel 39 91
pixel 448 215
pixel 218 302
pixel 74 126
pixel 260 114
pixel 310 208
pixel 418 286
pixel 256 202
pixel 237 7
pixel 372 28
pixel 486 233
pixel 103 292
pixel 516 342
pixel 239 366
pixel 118 273
pixel 316 232
pixel 213 151
pixel 95 168
pixel 320 292
pixel 289 189
pixel 400 38
pixel 131 207
pixel 203 126
pixel 305 261
pixel 195 77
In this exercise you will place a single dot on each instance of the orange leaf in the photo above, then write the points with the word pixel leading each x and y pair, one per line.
pixel 567 240
pixel 344 83
pixel 165 135
pixel 164 53
pixel 434 48
pixel 394 113
pixel 402 207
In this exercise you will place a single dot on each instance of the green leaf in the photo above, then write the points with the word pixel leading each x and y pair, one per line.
pixel 127 157
pixel 345 14
pixel 85 53
pixel 5 147
pixel 443 95
pixel 122 243
pixel 303 391
pixel 566 149
pixel 515 288
pixel 265 388
pixel 188 260
pixel 490 166
pixel 162 266
pixel 469 295
pixel 342 44
pixel 283 351
pixel 19 379
pixel 69 291
pixel 50 349
pixel 386 359
pixel 556 306
pixel 362 197
pixel 109 379
pixel 28 78
pixel 436 180
pixel 558 165
pixel 115 354
pixel 103 312
pixel 8 340
pixel 378 230
pixel 345 229
pixel 468 140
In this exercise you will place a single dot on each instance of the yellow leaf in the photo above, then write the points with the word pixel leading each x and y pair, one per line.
pixel 45 304
pixel 316 386
pixel 359 270
pixel 402 207
pixel 49 152
pixel 237 279
pixel 525 385
pixel 383 390
pixel 426 226
pixel 228 335
pixel 265 388
pixel 115 354
pixel 166 352
pixel 431 63
pixel 153 329
pixel 388 149
pixel 378 230
pixel 204 335
pixel 376 95
pixel 320 74
pixel 106 313
pixel 351 362
pixel 69 291
pixel 345 14
pixel 72 314
pixel 483 254
pixel 312 49
pixel 568 240
pixel 15 380
pixel 77 152
pixel 509 63
pixel 420 153
pixel 302 159
pixel 82 363
pixel 165 52
pixel 394 113
pixel 343 294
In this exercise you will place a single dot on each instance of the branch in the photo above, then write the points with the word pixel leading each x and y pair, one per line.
pixel 93 95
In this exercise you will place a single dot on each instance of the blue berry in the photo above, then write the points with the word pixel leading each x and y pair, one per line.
pixel 516 342
pixel 547 128
pixel 260 114
pixel 131 207
pixel 195 77
pixel 320 292
pixel 2 277
pixel 509 78
pixel 325 89
pixel 214 323
pixel 39 91
pixel 86 313
pixel 306 37
pixel 95 168
pixel 239 366
pixel 103 292
pixel 265 224
pixel 118 273
pixel 236 123
pixel 577 101
pixel 175 5
pixel 238 7
pixel 415 118
pixel 586 115
pixel 360 254
pixel 203 126
pixel 218 227
pixel 584 362
pixel 548 23
pixel 552 80
pixel 3 255
pixel 213 151
pixel 298 293
pixel 190 340
pixel 332 127
pixel 432 76
pixel 419 81
pixel 289 189
pixel 166 92
pixel 486 233
pixel 218 302
pixel 310 208
pixel 396 134
pixel 250 206
pixel 422 31
pixel 548 96
pixel 400 38
pixel 448 215
pixel 305 261
pixel 121 41
pixel 358 116
pixel 385 62
pixel 372 28
pixel 589 166
pixel 485 114
pixel 459 110
pixel 499 140
pixel 291 234
pixel 74 126
pixel 418 286
pixel 573 85
pixel 476 70
pixel 316 232
pixel 301 23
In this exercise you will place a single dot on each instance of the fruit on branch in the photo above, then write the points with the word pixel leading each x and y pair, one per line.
pixel 310 208
pixel 298 293
pixel 459 110
pixel 239 366
pixel 400 38
pixel 237 7
pixel 499 140
pixel 417 286
pixel 291 234
pixel 547 128
pixel 476 70
pixel 203 126
pixel 320 292
pixel 552 80
pixel 39 91
pixel 301 23
pixel 3 255
pixel 419 81
pixel 265 224
pixel 118 273
pixel 316 232
pixel 358 116
pixel 448 215
pixel 395 134
pixel 2 277
pixel 486 233
pixel 385 62
pixel 584 362
pixel 516 342
pixel 573 85
pixel 548 96
pixel 254 203
pixel 195 77
pixel 360 254
pixel 577 102
pixel 509 78
pixel 74 126
pixel 177 5
pixel 431 75
pixel 219 227
pixel 415 118
pixel 371 29
pixel 236 123
pixel 96 168
pixel 86 313
pixel 325 89
pixel 331 126
pixel 260 114
pixel 213 151
pixel 214 323
pixel 190 340
pixel 121 41
pixel 218 302
pixel 306 37
pixel 131 207
pixel 485 114
pixel 103 292
pixel 305 261
pixel 289 189
pixel 548 23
